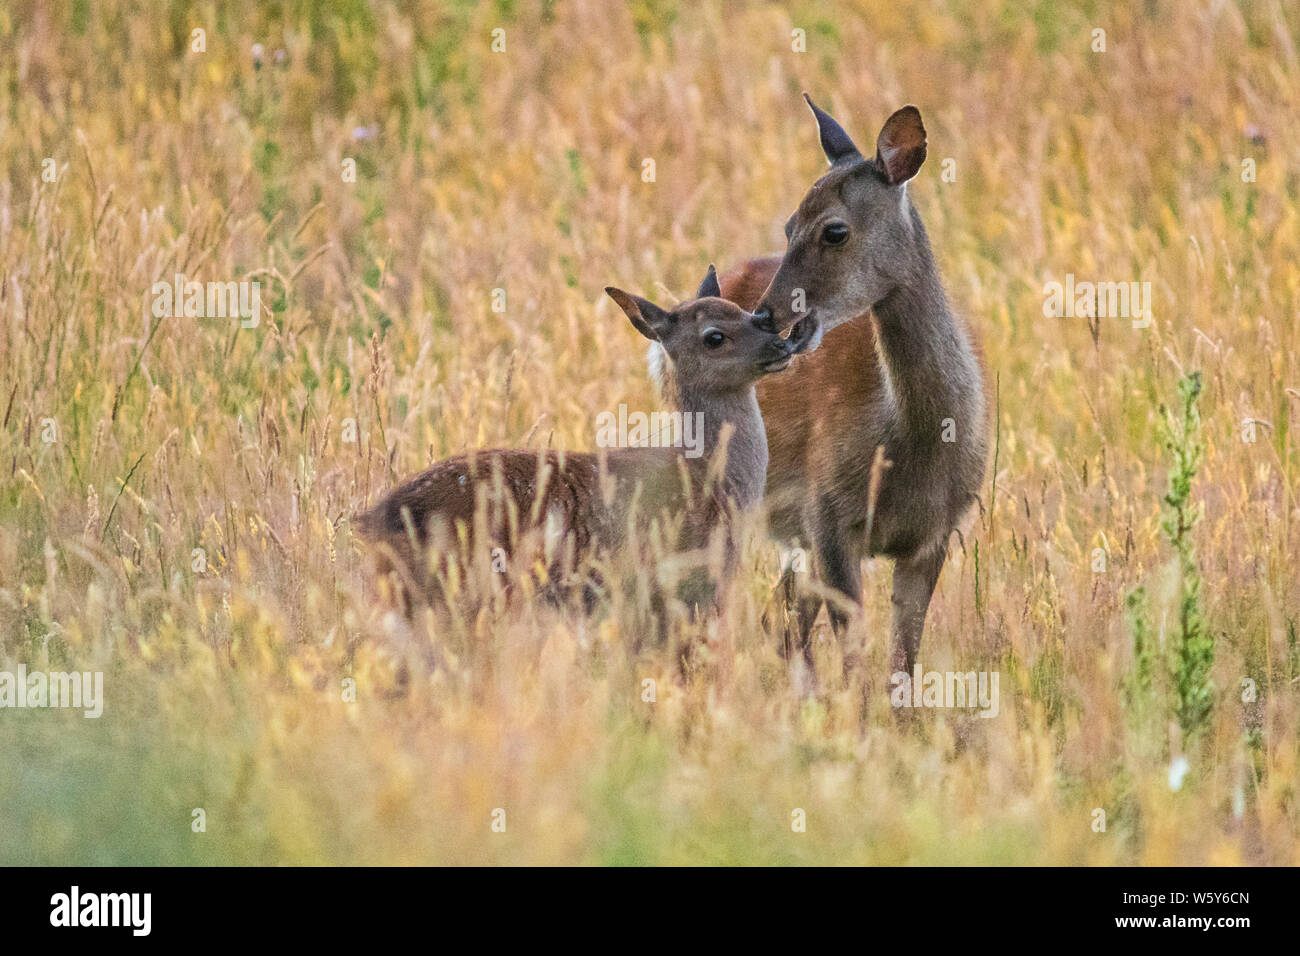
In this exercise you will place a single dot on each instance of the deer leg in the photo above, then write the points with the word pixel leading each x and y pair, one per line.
pixel 800 610
pixel 838 567
pixel 807 607
pixel 783 597
pixel 914 581
pixel 841 569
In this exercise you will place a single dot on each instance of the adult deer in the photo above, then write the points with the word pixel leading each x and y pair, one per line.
pixel 895 368
pixel 569 509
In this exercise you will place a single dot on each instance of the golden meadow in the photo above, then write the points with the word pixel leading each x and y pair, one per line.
pixel 176 493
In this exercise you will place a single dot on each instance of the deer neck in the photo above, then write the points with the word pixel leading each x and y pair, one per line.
pixel 745 473
pixel 925 356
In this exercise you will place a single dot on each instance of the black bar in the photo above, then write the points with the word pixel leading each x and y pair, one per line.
pixel 331 906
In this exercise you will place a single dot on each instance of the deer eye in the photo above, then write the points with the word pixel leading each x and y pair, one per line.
pixel 835 234
pixel 713 339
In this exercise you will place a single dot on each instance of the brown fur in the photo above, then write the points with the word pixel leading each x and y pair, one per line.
pixel 898 375
pixel 843 374
pixel 803 448
pixel 566 512
pixel 565 516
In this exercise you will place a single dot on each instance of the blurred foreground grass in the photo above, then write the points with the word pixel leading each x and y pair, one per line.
pixel 219 588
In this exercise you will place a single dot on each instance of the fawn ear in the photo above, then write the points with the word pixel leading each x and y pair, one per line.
pixel 900 149
pixel 710 287
pixel 835 142
pixel 650 320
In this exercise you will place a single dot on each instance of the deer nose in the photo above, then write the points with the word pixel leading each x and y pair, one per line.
pixel 806 334
pixel 763 319
pixel 780 346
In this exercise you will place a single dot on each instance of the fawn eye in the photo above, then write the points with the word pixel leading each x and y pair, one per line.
pixel 713 339
pixel 835 234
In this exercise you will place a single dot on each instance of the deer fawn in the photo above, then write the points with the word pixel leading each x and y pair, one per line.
pixel 578 506
pixel 905 377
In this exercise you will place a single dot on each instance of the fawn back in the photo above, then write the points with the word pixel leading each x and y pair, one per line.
pixel 572 510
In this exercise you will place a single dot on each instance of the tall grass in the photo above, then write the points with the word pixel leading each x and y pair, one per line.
pixel 187 529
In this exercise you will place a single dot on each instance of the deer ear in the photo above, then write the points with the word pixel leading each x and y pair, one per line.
pixel 900 148
pixel 650 320
pixel 710 287
pixel 835 142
